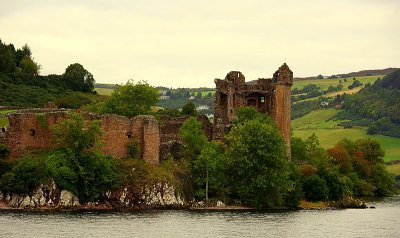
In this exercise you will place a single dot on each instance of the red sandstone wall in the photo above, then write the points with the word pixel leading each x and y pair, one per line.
pixel 151 140
pixel 281 112
pixel 116 129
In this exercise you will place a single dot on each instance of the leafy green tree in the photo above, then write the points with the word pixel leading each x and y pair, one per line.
pixel 72 134
pixel 29 66
pixel 206 169
pixel 7 64
pixel 256 162
pixel 295 193
pixel 78 78
pixel 25 176
pixel 189 109
pixel 77 166
pixel 299 150
pixel 193 137
pixel 20 54
pixel 130 100
pixel 315 188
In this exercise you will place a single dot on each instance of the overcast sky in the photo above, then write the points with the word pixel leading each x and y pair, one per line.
pixel 183 43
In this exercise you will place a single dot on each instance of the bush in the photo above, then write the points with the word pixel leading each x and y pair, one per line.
pixel 133 148
pixel 4 151
pixel 25 176
pixel 315 188
pixel 295 192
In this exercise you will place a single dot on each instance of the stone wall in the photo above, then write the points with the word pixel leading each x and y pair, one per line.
pixel 268 96
pixel 169 134
pixel 281 112
pixel 31 130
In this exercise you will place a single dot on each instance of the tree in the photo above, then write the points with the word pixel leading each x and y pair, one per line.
pixel 315 188
pixel 193 137
pixel 77 165
pixel 7 64
pixel 129 100
pixel 299 150
pixel 256 162
pixel 29 66
pixel 189 109
pixel 72 134
pixel 20 54
pixel 206 168
pixel 199 95
pixel 78 78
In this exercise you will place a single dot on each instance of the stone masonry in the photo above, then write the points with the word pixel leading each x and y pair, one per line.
pixel 32 130
pixel 268 96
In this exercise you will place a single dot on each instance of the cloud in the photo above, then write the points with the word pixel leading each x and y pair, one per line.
pixel 189 43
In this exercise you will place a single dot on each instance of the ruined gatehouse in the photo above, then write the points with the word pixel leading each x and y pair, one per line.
pixel 271 96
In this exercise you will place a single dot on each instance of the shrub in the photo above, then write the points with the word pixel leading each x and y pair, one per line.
pixel 25 176
pixel 133 148
pixel 4 151
pixel 315 188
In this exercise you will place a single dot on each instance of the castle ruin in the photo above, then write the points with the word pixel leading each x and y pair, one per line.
pixel 31 129
pixel 268 96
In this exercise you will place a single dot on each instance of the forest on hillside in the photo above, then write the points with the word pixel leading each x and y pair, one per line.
pixel 22 85
pixel 376 106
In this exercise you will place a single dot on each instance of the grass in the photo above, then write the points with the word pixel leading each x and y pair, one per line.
pixel 205 93
pixel 104 91
pixel 320 123
pixel 393 169
pixel 317 119
pixel 3 117
pixel 323 84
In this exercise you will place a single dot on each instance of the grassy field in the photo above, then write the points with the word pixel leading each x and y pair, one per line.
pixel 104 91
pixel 325 83
pixel 320 122
pixel 393 169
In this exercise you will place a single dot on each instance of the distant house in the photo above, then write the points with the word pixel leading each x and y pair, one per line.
pixel 191 97
pixel 324 104
pixel 202 107
pixel 164 97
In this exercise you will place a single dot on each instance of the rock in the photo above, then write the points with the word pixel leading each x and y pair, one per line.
pixel 37 197
pixel 372 207
pixel 15 200
pixel 68 199
pixel 26 202
pixel 220 204
pixel 169 196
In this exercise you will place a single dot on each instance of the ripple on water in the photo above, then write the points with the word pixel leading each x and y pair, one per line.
pixel 379 222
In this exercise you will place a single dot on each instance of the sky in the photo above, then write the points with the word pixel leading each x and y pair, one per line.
pixel 182 43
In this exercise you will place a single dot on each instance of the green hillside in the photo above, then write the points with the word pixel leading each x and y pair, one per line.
pixel 322 123
pixel 325 83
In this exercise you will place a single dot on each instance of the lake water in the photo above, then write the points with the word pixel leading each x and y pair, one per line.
pixel 384 221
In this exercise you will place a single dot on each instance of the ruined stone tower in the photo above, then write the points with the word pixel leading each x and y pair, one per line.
pixel 268 96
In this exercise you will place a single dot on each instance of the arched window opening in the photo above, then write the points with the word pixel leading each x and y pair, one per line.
pixel 32 132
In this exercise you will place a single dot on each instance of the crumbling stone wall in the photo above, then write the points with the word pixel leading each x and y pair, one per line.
pixel 268 96
pixel 32 130
pixel 169 133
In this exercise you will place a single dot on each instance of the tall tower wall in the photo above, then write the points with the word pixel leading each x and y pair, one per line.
pixel 281 112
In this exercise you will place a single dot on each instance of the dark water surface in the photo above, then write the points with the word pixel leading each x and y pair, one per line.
pixel 384 221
